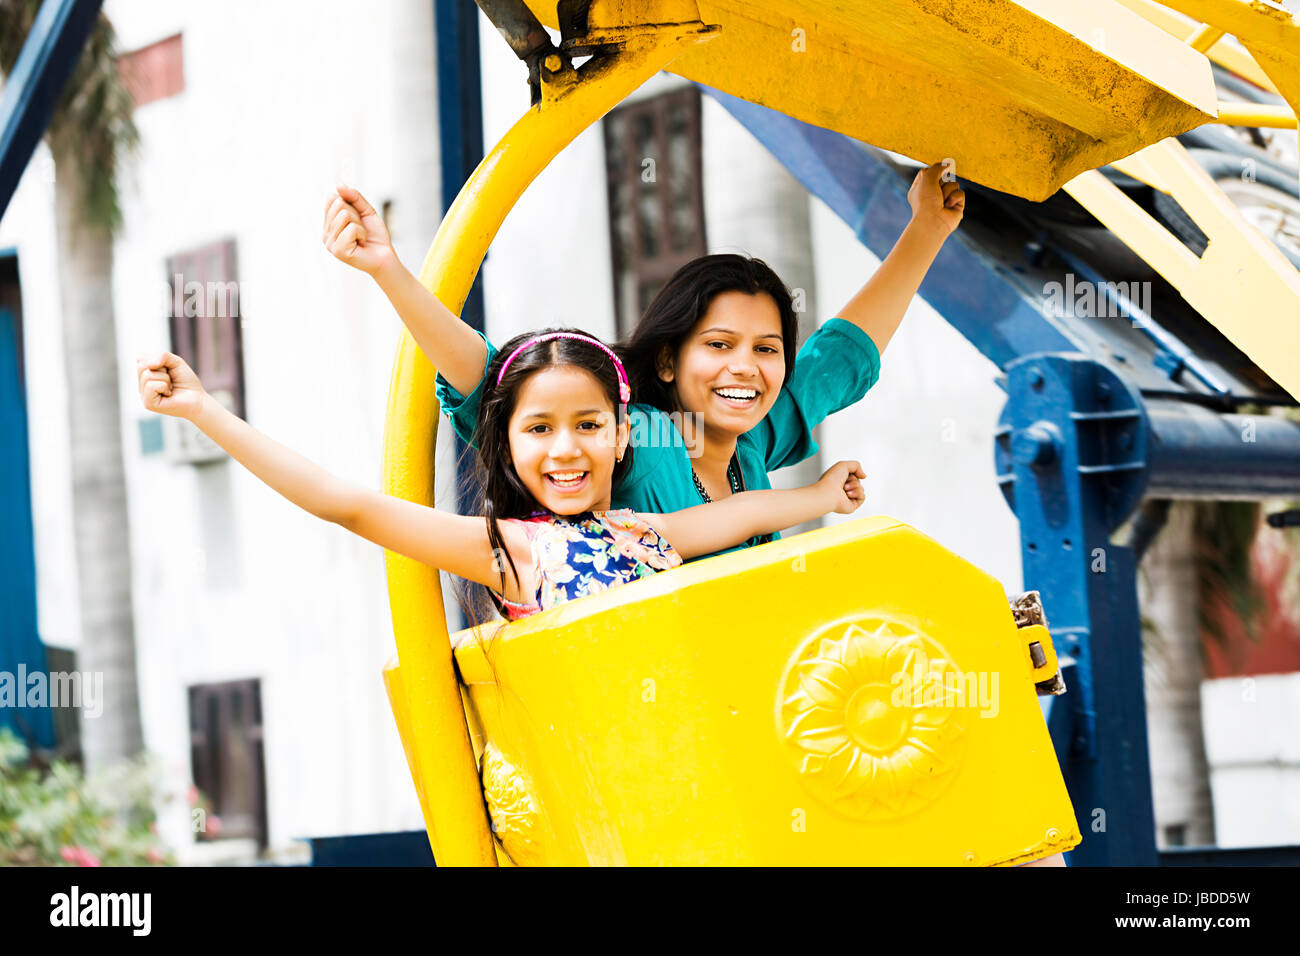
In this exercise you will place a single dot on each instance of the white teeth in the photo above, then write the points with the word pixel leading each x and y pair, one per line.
pixel 741 394
pixel 566 476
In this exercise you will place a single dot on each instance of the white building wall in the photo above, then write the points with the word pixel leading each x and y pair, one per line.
pixel 1254 756
pixel 231 581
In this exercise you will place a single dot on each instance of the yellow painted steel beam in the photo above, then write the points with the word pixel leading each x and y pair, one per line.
pixel 1250 21
pixel 1022 94
pixel 1269 31
pixel 1241 284
pixel 1227 52
pixel 1256 114
pixel 1204 38
pixel 426 697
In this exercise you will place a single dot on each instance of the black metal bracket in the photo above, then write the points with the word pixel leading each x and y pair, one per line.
pixel 529 39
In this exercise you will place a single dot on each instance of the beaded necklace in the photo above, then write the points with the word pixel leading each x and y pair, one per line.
pixel 733 476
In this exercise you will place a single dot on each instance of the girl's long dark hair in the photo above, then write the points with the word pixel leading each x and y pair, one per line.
pixel 681 303
pixel 503 493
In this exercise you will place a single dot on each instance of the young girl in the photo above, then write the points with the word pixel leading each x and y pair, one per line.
pixel 553 437
pixel 716 346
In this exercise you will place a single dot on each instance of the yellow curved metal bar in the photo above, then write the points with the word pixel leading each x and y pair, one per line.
pixel 1205 38
pixel 426 697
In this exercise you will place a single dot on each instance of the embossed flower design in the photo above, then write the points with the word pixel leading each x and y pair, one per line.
pixel 516 819
pixel 864 741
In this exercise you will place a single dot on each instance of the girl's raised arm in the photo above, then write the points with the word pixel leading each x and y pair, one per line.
pixel 719 525
pixel 454 543
pixel 355 233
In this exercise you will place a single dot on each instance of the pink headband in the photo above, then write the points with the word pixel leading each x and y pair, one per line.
pixel 624 390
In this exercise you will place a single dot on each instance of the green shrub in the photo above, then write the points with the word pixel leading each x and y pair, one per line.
pixel 58 816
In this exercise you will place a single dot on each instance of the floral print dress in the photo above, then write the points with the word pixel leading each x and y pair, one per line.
pixel 577 555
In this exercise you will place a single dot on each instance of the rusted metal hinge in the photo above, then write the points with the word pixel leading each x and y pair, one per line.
pixel 1027 608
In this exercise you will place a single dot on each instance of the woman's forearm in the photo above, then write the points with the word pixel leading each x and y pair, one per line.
pixel 771 510
pixel 307 485
pixel 723 524
pixel 879 306
pixel 452 346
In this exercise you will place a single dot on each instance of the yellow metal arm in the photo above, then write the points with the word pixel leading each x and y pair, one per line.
pixel 1268 31
pixel 1242 284
pixel 1256 114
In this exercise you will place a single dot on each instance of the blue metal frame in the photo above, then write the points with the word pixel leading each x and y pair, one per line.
pixel 460 141
pixel 1071 455
pixel 27 103
pixel 21 652
pixel 1097 416
pixel 402 848
pixel 34 87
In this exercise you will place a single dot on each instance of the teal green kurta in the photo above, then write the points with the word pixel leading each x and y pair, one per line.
pixel 835 368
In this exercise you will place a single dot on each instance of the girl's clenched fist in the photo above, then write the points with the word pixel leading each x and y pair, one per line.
pixel 168 386
pixel 355 233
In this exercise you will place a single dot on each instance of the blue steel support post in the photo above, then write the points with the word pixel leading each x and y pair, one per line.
pixel 21 653
pixel 1071 454
pixel 34 86
pixel 460 143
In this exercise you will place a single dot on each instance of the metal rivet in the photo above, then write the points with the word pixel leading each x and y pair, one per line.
pixel 1037 655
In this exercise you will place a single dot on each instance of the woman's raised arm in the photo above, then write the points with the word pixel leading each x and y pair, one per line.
pixel 937 205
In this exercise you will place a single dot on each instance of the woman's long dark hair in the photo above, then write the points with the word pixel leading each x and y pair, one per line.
pixel 681 303
pixel 503 493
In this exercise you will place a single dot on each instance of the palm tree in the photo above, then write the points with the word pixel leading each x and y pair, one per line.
pixel 1171 582
pixel 90 131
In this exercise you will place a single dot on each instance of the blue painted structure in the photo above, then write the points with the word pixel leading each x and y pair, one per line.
pixel 402 848
pixel 1099 415
pixel 30 95
pixel 32 90
pixel 21 651
pixel 460 144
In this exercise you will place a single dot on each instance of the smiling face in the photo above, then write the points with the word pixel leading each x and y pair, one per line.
pixel 563 440
pixel 731 365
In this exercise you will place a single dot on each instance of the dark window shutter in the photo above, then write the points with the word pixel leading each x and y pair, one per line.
pixel 656 222
pixel 206 319
pixel 227 757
